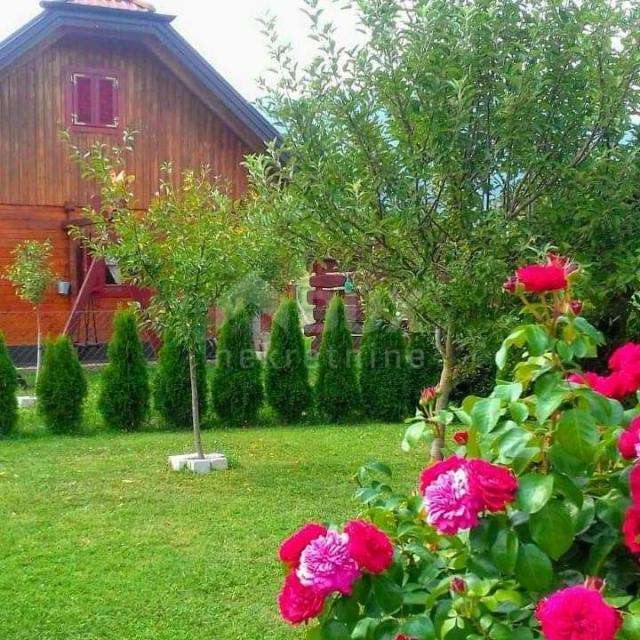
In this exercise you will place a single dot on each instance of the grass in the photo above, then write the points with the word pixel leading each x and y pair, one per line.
pixel 100 540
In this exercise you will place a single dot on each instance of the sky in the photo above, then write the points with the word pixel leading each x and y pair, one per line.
pixel 226 32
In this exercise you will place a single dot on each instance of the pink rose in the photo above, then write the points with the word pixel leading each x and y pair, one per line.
pixel 369 546
pixel 578 613
pixel 326 565
pixel 298 603
pixel 291 549
pixel 625 357
pixel 634 484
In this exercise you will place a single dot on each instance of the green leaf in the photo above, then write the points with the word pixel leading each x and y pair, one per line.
pixel 547 404
pixel 585 327
pixel 508 392
pixel 519 411
pixel 534 491
pixel 387 630
pixel 334 630
pixel 388 594
pixel 631 628
pixel 505 550
pixel 552 529
pixel 364 629
pixel 419 628
pixel 537 339
pixel 607 412
pixel 485 414
pixel 533 568
pixel 578 433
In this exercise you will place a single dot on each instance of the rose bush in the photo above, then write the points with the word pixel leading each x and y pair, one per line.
pixel 530 525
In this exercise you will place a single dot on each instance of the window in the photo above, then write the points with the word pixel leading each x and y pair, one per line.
pixel 95 101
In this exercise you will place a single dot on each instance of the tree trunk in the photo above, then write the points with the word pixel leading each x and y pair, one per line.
pixel 445 387
pixel 39 345
pixel 195 405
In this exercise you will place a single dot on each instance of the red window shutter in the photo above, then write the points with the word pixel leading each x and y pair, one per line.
pixel 82 99
pixel 107 102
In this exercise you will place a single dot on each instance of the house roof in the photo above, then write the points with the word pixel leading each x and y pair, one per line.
pixel 101 17
pixel 128 5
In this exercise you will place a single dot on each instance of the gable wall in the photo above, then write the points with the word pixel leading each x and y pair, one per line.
pixel 172 122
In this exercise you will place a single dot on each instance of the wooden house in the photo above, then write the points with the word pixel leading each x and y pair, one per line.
pixel 95 68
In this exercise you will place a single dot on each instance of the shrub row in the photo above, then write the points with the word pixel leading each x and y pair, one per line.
pixel 389 385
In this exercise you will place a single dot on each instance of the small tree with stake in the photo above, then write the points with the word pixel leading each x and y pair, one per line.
pixel 31 276
pixel 192 245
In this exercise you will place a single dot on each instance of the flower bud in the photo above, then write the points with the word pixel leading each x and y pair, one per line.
pixel 429 394
pixel 461 437
pixel 458 585
pixel 595 583
pixel 576 307
pixel 510 284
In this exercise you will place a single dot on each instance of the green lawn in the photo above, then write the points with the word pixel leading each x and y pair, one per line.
pixel 99 540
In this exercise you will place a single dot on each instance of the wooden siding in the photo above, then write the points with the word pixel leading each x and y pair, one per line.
pixel 37 180
pixel 173 124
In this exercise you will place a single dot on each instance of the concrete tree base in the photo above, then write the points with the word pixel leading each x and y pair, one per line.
pixel 211 462
pixel 27 402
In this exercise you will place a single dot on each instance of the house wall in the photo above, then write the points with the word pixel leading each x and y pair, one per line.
pixel 37 179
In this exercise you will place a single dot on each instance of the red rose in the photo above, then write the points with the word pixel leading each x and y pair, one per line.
pixel 496 485
pixel 461 437
pixel 625 358
pixel 629 440
pixel 298 603
pixel 538 278
pixel 565 263
pixel 634 484
pixel 617 385
pixel 291 549
pixel 631 529
pixel 369 547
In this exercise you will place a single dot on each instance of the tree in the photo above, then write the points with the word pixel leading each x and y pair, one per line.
pixel 336 392
pixel 287 376
pixel 236 386
pixel 124 393
pixel 172 383
pixel 190 248
pixel 430 153
pixel 383 371
pixel 8 388
pixel 31 275
pixel 62 387
pixel 424 365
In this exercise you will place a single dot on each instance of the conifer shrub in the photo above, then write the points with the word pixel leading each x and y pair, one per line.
pixel 62 387
pixel 383 371
pixel 172 384
pixel 287 376
pixel 337 394
pixel 424 365
pixel 237 380
pixel 125 392
pixel 8 388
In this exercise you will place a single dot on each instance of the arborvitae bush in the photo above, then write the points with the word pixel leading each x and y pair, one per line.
pixel 287 376
pixel 237 380
pixel 124 393
pixel 62 387
pixel 424 364
pixel 8 388
pixel 172 384
pixel 383 371
pixel 337 394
